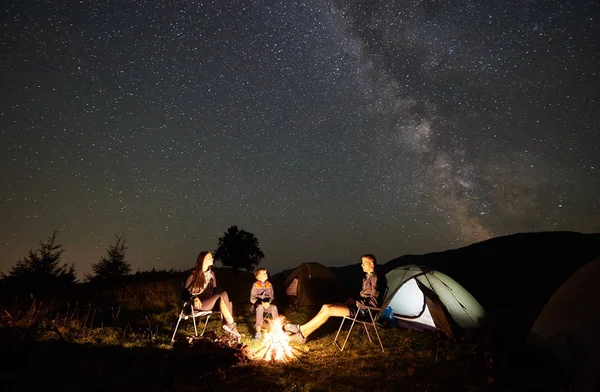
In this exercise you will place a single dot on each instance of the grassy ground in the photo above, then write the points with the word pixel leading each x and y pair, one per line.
pixel 122 342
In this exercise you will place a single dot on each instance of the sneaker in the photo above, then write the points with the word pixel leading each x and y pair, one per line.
pixel 292 328
pixel 257 335
pixel 298 337
pixel 232 329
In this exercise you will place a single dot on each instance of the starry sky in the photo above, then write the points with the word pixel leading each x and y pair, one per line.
pixel 328 129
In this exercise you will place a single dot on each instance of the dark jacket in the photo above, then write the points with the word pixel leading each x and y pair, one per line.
pixel 262 291
pixel 369 295
pixel 208 289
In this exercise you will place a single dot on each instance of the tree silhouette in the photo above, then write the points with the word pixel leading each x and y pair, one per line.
pixel 113 265
pixel 239 249
pixel 41 271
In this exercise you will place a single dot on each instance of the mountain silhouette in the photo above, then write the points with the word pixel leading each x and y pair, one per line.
pixel 512 276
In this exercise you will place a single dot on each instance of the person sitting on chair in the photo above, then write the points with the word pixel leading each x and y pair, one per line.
pixel 262 290
pixel 369 296
pixel 201 287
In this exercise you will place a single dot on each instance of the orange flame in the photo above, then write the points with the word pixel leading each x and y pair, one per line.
pixel 275 343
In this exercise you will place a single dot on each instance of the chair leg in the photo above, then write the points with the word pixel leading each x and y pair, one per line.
pixel 378 338
pixel 368 334
pixel 374 324
pixel 347 336
pixel 194 321
pixel 338 333
pixel 205 324
pixel 335 340
pixel 177 326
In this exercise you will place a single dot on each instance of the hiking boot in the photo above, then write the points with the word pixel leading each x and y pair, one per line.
pixel 257 335
pixel 232 329
pixel 291 328
pixel 298 337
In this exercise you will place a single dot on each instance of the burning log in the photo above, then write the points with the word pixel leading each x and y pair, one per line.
pixel 275 344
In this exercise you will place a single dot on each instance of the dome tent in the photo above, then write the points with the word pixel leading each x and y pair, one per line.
pixel 567 325
pixel 312 284
pixel 537 288
pixel 422 298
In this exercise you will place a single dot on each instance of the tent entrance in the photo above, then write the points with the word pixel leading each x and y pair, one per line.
pixel 410 307
pixel 292 289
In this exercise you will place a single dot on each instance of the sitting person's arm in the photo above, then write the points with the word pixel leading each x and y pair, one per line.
pixel 186 293
pixel 253 294
pixel 270 294
pixel 213 283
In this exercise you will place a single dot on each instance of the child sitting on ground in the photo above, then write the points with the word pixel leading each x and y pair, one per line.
pixel 261 297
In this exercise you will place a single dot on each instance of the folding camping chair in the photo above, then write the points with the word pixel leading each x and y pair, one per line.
pixel 371 321
pixel 194 315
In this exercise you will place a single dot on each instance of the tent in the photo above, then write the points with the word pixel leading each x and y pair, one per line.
pixel 567 326
pixel 534 287
pixel 422 298
pixel 513 277
pixel 312 284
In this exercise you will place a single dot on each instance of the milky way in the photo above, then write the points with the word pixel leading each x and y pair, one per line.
pixel 328 129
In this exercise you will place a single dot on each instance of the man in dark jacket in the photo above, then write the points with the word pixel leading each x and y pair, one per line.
pixel 369 296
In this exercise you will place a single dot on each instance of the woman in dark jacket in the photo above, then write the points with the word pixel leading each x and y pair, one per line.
pixel 201 287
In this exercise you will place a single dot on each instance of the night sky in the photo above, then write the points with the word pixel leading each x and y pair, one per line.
pixel 328 129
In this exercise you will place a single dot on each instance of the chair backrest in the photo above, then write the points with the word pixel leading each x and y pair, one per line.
pixel 382 295
pixel 378 313
pixel 363 318
pixel 382 286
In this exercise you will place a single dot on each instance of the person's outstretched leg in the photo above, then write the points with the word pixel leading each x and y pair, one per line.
pixel 328 310
pixel 301 332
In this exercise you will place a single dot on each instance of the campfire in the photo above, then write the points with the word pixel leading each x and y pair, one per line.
pixel 274 346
